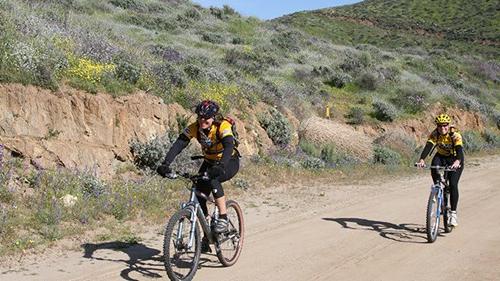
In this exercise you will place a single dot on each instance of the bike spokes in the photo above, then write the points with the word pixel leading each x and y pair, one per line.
pixel 181 258
pixel 432 218
pixel 229 244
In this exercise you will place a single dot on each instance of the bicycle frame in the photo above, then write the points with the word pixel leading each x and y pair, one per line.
pixel 197 215
pixel 438 190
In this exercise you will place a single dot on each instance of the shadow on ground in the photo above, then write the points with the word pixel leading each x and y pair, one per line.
pixel 408 233
pixel 141 259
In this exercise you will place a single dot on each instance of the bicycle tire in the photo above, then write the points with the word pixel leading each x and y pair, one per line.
pixel 230 244
pixel 171 257
pixel 432 220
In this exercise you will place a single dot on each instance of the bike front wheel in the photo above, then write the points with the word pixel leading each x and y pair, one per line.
pixel 180 258
pixel 230 244
pixel 432 218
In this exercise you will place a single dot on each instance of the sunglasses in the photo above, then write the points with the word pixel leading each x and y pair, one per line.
pixel 443 125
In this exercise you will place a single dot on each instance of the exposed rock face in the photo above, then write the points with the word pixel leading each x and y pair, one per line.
pixel 79 130
pixel 74 129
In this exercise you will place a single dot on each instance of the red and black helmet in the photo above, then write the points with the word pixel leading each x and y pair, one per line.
pixel 207 109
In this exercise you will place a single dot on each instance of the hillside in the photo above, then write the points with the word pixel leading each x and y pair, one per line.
pixel 93 93
pixel 455 25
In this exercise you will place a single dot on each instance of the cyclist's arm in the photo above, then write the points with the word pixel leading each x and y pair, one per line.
pixel 181 143
pixel 427 149
pixel 460 153
pixel 228 144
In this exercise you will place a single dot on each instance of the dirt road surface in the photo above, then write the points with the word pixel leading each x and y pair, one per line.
pixel 325 232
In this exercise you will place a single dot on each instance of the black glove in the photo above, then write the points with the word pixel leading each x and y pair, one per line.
pixel 164 170
pixel 216 171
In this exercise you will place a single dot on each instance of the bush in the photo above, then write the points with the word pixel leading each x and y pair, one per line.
pixel 356 116
pixel 386 156
pixel 287 41
pixel 167 74
pixel 129 4
pixel 351 62
pixel 151 153
pixel 368 81
pixel 127 71
pixel 167 53
pixel 338 79
pixel 313 163
pixel 212 37
pixel 277 127
pixel 250 61
pixel 491 138
pixel 384 111
pixel 472 141
pixel 411 100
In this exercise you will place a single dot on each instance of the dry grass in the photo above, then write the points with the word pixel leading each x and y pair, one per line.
pixel 322 131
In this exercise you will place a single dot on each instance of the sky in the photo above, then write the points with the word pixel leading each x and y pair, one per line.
pixel 269 9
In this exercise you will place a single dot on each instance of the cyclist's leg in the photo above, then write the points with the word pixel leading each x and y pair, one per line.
pixel 204 187
pixel 454 178
pixel 229 172
pixel 438 160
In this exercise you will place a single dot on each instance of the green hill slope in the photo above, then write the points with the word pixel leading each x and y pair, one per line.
pixel 456 25
pixel 183 52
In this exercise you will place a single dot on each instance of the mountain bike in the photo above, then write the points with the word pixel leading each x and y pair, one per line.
pixel 182 239
pixel 439 205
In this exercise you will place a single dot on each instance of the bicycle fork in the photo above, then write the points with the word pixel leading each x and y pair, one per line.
pixel 438 190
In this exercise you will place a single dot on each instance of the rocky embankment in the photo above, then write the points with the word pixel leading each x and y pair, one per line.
pixel 74 129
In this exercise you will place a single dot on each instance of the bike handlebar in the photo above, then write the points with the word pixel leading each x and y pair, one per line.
pixel 192 177
pixel 437 167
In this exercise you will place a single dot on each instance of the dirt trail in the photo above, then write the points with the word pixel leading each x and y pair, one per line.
pixel 327 232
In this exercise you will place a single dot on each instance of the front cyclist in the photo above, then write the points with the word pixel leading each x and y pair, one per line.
pixel 221 162
pixel 449 153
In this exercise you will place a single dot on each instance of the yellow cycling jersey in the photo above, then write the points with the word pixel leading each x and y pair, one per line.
pixel 210 143
pixel 445 144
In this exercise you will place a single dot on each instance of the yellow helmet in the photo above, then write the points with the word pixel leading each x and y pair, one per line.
pixel 442 119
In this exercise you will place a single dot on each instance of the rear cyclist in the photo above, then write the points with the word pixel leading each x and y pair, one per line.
pixel 449 153
pixel 221 159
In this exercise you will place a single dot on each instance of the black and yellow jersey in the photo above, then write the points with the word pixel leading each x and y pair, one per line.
pixel 210 142
pixel 446 144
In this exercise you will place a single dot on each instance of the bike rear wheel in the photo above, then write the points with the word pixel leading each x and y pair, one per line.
pixel 432 218
pixel 181 261
pixel 230 244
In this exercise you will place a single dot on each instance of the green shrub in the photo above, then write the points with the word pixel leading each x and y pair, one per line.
pixel 491 138
pixel 338 79
pixel 253 61
pixel 368 81
pixel 386 156
pixel 384 111
pixel 127 71
pixel 412 100
pixel 277 127
pixel 129 4
pixel 472 141
pixel 213 37
pixel 313 163
pixel 309 148
pixel 151 153
pixel 287 41
pixel 356 116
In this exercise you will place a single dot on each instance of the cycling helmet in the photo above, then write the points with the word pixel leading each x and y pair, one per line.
pixel 442 119
pixel 207 109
